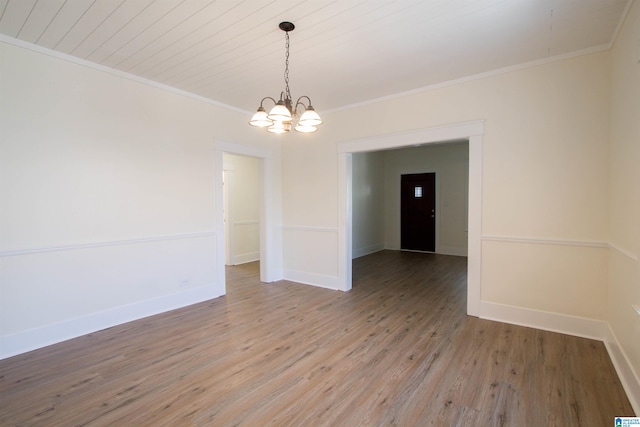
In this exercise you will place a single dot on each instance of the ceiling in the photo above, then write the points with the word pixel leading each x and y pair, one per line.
pixel 343 52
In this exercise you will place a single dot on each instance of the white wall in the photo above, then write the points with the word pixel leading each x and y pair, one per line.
pixel 242 184
pixel 107 196
pixel 309 230
pixel 450 162
pixel 546 133
pixel 624 203
pixel 368 203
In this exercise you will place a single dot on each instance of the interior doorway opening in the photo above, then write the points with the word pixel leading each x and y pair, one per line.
pixel 241 190
pixel 470 131
pixel 269 267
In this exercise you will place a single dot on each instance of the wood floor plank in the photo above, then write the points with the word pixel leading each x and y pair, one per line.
pixel 396 350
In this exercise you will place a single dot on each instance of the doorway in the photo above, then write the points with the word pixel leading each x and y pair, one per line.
pixel 471 131
pixel 241 187
pixel 418 212
pixel 270 267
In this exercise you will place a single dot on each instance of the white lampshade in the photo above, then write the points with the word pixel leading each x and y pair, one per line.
pixel 310 118
pixel 305 128
pixel 280 113
pixel 279 127
pixel 260 119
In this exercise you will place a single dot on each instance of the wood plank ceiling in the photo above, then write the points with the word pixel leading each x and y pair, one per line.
pixel 342 52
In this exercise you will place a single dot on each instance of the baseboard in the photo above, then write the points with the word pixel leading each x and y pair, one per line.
pixel 628 378
pixel 245 258
pixel 367 250
pixel 571 325
pixel 547 321
pixel 319 280
pixel 33 339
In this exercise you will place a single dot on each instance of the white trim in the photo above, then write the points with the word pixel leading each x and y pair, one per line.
pixel 106 243
pixel 474 223
pixel 545 320
pixel 88 64
pixel 245 258
pixel 633 257
pixel 318 280
pixel 473 132
pixel 228 176
pixel 271 262
pixel 218 201
pixel 628 377
pixel 479 76
pixel 33 339
pixel 561 242
pixel 345 219
pixel 539 241
pixel 448 133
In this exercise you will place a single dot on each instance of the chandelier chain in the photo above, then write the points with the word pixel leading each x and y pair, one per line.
pixel 286 68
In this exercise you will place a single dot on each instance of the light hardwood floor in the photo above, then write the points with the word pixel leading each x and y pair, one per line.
pixel 396 350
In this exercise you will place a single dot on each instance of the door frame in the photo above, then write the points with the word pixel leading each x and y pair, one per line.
pixel 226 184
pixel 268 267
pixel 473 132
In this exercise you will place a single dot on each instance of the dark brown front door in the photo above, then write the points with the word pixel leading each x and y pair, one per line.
pixel 418 212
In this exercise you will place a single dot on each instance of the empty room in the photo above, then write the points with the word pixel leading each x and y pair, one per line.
pixel 293 212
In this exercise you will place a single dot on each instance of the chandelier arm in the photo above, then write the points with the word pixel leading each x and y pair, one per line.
pixel 268 97
pixel 300 102
pixel 296 107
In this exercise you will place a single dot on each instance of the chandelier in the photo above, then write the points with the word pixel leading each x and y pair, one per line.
pixel 285 112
